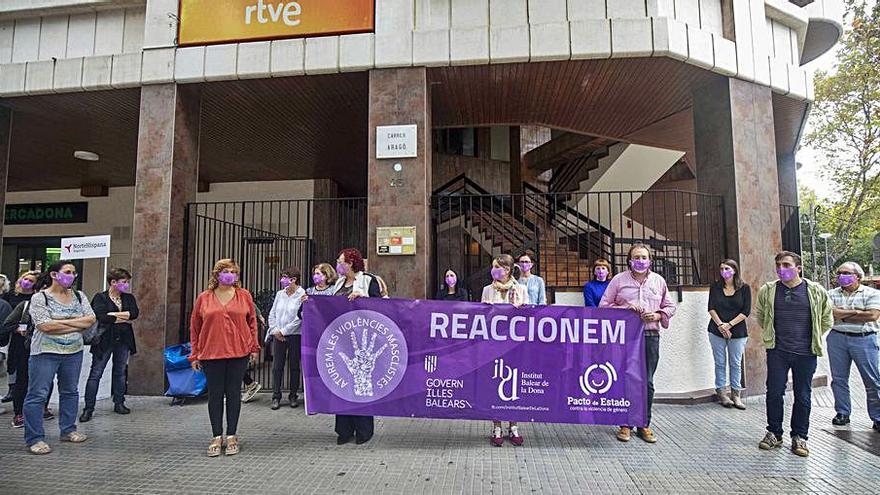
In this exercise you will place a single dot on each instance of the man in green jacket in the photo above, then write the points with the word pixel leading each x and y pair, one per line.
pixel 794 314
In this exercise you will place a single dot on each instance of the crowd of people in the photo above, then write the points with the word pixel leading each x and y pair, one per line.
pixel 47 323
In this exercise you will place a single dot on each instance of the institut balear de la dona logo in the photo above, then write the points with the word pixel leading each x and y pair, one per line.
pixel 362 356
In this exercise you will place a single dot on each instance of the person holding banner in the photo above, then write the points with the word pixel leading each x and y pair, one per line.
pixel 324 280
pixel 450 289
pixel 223 334
pixel 504 289
pixel 286 335
pixel 595 289
pixel 354 282
pixel 59 315
pixel 641 290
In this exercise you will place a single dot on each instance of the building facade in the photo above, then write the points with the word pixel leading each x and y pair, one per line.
pixel 569 127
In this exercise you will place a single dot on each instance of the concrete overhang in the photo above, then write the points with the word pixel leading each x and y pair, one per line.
pixel 824 29
pixel 16 9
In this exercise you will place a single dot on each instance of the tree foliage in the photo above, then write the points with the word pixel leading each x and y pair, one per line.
pixel 846 133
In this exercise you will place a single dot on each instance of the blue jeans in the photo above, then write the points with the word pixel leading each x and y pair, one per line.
pixel 843 350
pixel 42 369
pixel 802 370
pixel 119 353
pixel 728 351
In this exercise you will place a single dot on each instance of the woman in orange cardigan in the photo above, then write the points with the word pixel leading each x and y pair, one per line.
pixel 224 336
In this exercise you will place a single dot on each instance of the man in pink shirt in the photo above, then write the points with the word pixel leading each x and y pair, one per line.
pixel 645 292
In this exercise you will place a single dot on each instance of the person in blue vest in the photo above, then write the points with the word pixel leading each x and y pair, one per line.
pixel 595 289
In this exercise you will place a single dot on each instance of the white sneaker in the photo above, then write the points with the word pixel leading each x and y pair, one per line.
pixel 250 392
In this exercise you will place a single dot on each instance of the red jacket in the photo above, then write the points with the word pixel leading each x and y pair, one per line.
pixel 222 332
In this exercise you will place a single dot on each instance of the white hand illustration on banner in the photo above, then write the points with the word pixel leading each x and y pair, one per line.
pixel 362 364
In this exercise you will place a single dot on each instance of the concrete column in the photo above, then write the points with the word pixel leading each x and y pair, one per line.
pixel 787 171
pixel 736 156
pixel 5 152
pixel 398 97
pixel 166 180
pixel 325 220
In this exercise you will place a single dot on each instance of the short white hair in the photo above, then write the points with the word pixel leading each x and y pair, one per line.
pixel 855 267
pixel 4 283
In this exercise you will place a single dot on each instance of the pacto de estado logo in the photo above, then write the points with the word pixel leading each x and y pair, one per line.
pixel 362 356
pixel 598 378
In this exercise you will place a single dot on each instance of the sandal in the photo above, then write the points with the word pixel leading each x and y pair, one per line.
pixel 40 448
pixel 214 448
pixel 232 445
pixel 74 437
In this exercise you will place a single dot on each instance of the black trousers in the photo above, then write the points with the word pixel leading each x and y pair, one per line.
pixel 224 382
pixel 19 390
pixel 358 426
pixel 289 349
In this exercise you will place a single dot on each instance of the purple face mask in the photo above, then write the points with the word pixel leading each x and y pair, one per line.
pixel 786 274
pixel 451 280
pixel 227 278
pixel 601 273
pixel 284 282
pixel 26 284
pixel 640 266
pixel 845 280
pixel 499 274
pixel 727 273
pixel 526 267
pixel 318 279
pixel 65 279
pixel 341 269
pixel 123 287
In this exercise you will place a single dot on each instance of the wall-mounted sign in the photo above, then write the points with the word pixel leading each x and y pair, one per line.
pixel 45 213
pixel 82 248
pixel 395 241
pixel 204 22
pixel 396 141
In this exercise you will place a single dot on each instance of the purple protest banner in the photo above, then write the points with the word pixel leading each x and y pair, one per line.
pixel 440 359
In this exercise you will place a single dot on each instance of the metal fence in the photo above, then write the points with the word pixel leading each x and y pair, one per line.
pixel 566 232
pixel 265 237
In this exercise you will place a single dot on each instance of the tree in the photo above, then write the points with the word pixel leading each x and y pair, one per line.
pixel 846 132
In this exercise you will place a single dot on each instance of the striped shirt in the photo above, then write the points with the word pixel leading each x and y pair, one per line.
pixel 863 298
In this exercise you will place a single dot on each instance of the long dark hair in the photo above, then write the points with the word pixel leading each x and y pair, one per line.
pixel 737 280
pixel 45 280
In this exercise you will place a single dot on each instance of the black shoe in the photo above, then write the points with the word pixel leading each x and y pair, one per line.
pixel 121 409
pixel 86 416
pixel 361 440
pixel 876 426
pixel 840 420
pixel 294 402
pixel 342 440
pixel 276 404
pixel 8 397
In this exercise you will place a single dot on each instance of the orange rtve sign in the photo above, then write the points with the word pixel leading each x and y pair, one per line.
pixel 204 22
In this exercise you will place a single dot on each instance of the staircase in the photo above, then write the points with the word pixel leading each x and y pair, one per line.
pixel 564 241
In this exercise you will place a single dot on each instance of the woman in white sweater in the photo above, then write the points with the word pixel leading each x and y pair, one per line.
pixel 285 334
pixel 504 289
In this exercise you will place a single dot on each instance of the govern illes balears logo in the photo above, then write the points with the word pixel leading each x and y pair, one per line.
pixel 362 356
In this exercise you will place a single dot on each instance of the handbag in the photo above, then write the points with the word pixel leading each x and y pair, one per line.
pixel 93 334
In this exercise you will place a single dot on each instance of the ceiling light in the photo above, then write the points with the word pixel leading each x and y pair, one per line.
pixel 86 155
pixel 691 214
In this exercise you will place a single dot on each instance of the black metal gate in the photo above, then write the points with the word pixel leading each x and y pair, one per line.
pixel 265 237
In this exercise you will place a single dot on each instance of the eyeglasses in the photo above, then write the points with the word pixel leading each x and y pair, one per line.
pixel 788 294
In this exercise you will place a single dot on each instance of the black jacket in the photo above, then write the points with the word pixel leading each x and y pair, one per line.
pixel 115 332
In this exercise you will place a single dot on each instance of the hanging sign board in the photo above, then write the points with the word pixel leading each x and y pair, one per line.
pixel 396 141
pixel 205 22
pixel 395 241
pixel 81 248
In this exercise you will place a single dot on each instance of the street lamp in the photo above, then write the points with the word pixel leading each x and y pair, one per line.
pixel 825 236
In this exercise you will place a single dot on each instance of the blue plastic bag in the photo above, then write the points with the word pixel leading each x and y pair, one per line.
pixel 183 381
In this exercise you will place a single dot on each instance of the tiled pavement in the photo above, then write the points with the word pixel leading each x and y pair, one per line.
pixel 702 449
